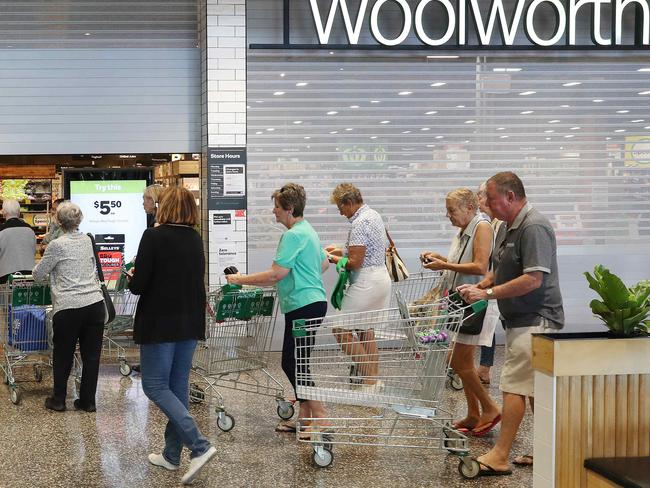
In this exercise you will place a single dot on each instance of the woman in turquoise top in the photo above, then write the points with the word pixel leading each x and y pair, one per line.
pixel 297 268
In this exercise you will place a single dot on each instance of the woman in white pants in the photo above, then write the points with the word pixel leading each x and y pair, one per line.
pixel 370 283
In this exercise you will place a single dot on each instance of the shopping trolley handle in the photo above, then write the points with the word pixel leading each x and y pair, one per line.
pixel 299 328
pixel 230 288
pixel 477 307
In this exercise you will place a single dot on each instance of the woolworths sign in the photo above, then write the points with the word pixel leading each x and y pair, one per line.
pixel 496 24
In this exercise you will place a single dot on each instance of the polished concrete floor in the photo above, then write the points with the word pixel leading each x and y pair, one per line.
pixel 40 448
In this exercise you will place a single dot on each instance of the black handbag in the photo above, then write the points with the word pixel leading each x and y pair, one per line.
pixel 109 308
pixel 472 321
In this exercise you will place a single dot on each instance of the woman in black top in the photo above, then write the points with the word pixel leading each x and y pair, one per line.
pixel 169 320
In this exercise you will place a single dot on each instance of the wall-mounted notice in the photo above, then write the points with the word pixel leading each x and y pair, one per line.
pixel 227 210
pixel 227 178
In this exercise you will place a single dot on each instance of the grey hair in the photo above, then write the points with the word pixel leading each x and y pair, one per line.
pixel 11 208
pixel 69 216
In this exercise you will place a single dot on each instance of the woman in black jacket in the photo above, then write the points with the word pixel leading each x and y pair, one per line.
pixel 170 319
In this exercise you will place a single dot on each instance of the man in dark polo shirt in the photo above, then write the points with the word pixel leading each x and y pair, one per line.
pixel 525 283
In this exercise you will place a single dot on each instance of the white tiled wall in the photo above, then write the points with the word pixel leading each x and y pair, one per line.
pixel 544 431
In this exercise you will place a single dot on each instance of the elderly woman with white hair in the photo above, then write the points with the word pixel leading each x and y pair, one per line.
pixel 17 242
pixel 78 308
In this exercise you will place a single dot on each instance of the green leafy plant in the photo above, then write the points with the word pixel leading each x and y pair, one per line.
pixel 624 310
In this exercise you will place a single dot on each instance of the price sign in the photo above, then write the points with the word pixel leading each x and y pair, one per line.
pixel 113 213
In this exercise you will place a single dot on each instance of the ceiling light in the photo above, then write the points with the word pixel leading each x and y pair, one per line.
pixel 548 138
pixel 332 112
pixel 526 112
pixel 373 137
pixel 248 107
pixel 622 111
pixel 607 138
pixel 258 132
pixel 431 112
pixel 334 132
pixel 501 128
pixel 647 92
pixel 349 129
pixel 86 33
pixel 506 70
pixel 375 101
pixel 340 69
pixel 270 129
pixel 470 121
pixel 438 83
pixel 565 106
pixel 575 128
pixel 425 128
pixel 572 83
pixel 307 137
pixel 443 57
pixel 503 137
pixel 569 136
pixel 619 130
pixel 554 121
pixel 354 106
pixel 331 52
pixel 439 137
pixel 282 75
pixel 259 101
pixel 406 132
pixel 297 121
pixel 647 127
pixel 550 131
pixel 278 93
pixel 467 141
pixel 385 122
pixel 527 93
pixel 460 106
pixel 431 145
pixel 302 83
pixel 404 93
pixel 644 69
pixel 598 100
pixel 638 120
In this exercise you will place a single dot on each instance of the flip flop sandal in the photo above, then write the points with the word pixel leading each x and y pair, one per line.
pixel 490 471
pixel 525 460
pixel 486 428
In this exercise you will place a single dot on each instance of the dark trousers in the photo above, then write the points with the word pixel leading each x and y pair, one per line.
pixel 487 354
pixel 316 310
pixel 85 325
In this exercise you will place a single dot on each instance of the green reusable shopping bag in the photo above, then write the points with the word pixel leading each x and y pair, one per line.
pixel 339 289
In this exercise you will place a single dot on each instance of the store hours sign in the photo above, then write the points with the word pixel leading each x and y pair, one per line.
pixel 493 24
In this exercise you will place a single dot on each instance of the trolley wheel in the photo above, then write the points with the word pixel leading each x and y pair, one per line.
pixel 469 469
pixel 14 394
pixel 197 395
pixel 125 369
pixel 38 374
pixel 455 382
pixel 324 458
pixel 77 385
pixel 225 421
pixel 285 410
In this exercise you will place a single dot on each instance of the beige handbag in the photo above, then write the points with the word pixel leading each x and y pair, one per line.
pixel 396 267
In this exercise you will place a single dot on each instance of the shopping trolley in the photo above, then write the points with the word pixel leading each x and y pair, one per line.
pixel 413 343
pixel 24 306
pixel 118 335
pixel 419 289
pixel 240 323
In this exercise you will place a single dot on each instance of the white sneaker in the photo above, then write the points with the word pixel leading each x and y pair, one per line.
pixel 197 464
pixel 159 460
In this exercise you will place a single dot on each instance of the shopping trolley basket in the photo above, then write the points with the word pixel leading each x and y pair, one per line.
pixel 24 306
pixel 240 324
pixel 418 288
pixel 411 347
pixel 118 335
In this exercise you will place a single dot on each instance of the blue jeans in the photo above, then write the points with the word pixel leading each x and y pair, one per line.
pixel 165 369
pixel 487 354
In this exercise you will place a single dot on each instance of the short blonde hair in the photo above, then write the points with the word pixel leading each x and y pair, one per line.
pixel 345 193
pixel 154 192
pixel 464 197
pixel 177 206
pixel 291 196
pixel 69 216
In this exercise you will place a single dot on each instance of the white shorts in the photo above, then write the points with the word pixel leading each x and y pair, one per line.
pixel 369 289
pixel 490 322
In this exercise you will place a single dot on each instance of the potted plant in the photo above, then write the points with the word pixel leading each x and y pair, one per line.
pixel 624 310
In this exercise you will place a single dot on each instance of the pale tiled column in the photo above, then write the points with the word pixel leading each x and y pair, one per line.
pixel 222 40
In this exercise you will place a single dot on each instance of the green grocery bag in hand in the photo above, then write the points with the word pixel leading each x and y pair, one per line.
pixel 339 289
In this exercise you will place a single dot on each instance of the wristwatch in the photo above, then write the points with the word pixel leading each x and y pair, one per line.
pixel 489 292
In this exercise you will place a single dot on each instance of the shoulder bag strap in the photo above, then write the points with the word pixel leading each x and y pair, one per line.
pixel 100 273
pixel 390 241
